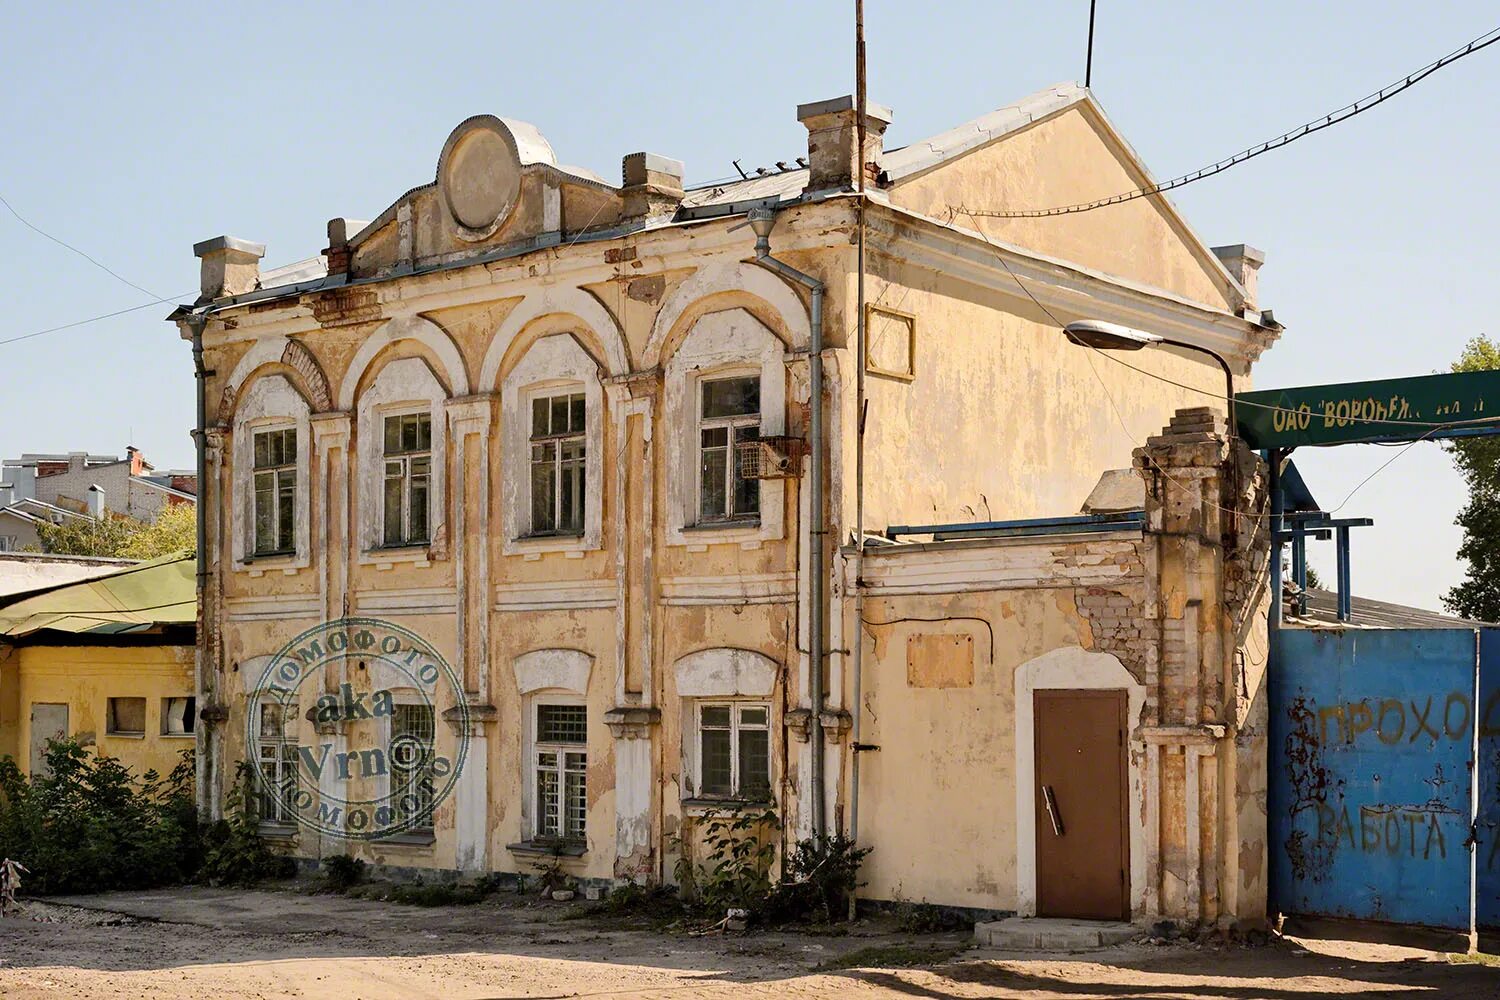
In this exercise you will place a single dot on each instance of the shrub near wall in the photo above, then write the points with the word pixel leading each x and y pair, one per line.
pixel 89 825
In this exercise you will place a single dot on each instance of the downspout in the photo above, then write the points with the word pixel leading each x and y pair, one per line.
pixel 202 745
pixel 762 221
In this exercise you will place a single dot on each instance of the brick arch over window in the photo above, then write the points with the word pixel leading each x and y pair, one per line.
pixel 728 276
pixel 311 382
pixel 415 328
pixel 553 301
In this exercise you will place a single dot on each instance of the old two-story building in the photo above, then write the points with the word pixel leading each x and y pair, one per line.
pixel 603 445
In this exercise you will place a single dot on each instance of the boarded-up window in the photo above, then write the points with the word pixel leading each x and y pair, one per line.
pixel 890 343
pixel 940 661
pixel 127 717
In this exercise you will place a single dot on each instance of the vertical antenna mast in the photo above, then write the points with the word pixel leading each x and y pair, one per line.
pixel 1088 67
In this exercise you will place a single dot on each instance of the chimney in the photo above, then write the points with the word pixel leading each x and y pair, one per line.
pixel 138 464
pixel 832 134
pixel 652 186
pixel 7 494
pixel 96 501
pixel 77 460
pixel 339 253
pixel 229 267
pixel 1243 261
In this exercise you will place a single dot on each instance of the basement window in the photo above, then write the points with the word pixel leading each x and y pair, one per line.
pixel 178 715
pixel 126 717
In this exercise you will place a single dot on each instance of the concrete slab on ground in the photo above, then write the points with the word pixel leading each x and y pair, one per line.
pixel 1051 934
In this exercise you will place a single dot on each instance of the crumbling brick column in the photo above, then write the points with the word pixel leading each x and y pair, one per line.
pixel 1204 724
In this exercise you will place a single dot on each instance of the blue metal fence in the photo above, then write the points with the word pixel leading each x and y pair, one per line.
pixel 1487 829
pixel 1372 771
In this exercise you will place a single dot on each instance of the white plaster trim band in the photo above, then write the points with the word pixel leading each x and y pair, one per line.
pixel 553 669
pixel 725 673
pixel 1074 668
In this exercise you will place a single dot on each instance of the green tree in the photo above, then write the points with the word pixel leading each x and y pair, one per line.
pixel 122 537
pixel 175 529
pixel 1478 460
pixel 85 536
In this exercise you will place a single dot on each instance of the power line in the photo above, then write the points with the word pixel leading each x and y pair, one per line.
pixel 1342 114
pixel 68 246
pixel 95 319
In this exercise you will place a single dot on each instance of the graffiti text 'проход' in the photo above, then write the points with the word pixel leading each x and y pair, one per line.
pixel 1397 720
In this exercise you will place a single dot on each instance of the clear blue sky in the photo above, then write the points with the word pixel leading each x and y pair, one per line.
pixel 134 130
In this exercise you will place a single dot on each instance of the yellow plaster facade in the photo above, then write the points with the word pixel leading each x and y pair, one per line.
pixel 84 677
pixel 646 612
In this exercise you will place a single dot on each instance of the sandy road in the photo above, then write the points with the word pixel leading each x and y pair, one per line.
pixel 207 944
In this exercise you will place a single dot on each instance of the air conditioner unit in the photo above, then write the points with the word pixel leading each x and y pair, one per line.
pixel 771 457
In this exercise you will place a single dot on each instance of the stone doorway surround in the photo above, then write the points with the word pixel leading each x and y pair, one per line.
pixel 1072 667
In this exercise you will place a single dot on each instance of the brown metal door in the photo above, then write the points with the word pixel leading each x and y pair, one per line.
pixel 1081 848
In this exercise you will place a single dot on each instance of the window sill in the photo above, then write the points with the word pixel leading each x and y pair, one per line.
pixel 751 523
pixel 270 557
pixel 702 805
pixel 125 736
pixel 532 547
pixel 411 838
pixel 548 849
pixel 386 556
pixel 276 831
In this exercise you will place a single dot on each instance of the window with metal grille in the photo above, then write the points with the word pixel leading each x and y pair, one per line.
pixel 561 772
pixel 408 474
pixel 557 464
pixel 275 490
pixel 734 751
pixel 277 748
pixel 411 755
pixel 728 416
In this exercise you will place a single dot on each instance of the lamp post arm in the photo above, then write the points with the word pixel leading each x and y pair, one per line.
pixel 1228 378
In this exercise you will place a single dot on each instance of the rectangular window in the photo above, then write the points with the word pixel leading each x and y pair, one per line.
pixel 127 717
pixel 275 490
pixel 410 754
pixel 734 751
pixel 178 715
pixel 557 453
pixel 408 475
pixel 561 772
pixel 278 763
pixel 728 417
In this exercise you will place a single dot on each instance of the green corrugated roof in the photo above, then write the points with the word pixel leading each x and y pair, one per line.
pixel 134 599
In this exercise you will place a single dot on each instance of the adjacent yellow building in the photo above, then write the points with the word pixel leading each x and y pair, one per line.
pixel 529 534
pixel 107 662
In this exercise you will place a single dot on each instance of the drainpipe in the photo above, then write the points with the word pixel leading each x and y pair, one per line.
pixel 762 221
pixel 203 785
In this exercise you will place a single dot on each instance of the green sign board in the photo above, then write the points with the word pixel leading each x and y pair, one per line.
pixel 1395 409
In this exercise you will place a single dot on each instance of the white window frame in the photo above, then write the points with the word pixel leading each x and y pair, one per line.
pixel 406 461
pixel 733 426
pixel 533 816
pixel 558 441
pixel 721 344
pixel 551 365
pixel 736 727
pixel 277 473
pixel 271 402
pixel 404 386
pixel 285 817
pixel 406 697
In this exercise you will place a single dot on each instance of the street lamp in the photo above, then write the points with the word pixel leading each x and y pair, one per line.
pixel 1104 336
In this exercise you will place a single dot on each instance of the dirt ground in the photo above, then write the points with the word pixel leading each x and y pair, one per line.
pixel 216 944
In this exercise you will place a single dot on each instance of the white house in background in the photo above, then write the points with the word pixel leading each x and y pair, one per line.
pixel 127 486
pixel 19 520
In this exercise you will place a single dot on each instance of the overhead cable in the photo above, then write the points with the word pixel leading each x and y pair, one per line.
pixel 1336 117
